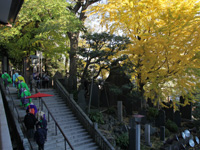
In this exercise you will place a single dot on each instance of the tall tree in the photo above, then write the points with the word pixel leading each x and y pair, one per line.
pixel 78 8
pixel 100 51
pixel 165 40
pixel 41 25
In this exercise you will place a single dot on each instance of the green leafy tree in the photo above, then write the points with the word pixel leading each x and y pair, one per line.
pixel 100 51
pixel 41 25
pixel 78 8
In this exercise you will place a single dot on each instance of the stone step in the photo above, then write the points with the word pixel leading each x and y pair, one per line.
pixel 59 109
pixel 72 128
pixel 77 143
pixel 89 146
pixel 57 103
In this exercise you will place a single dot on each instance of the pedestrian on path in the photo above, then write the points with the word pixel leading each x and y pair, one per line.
pixel 19 79
pixel 6 79
pixel 45 80
pixel 32 109
pixel 30 121
pixel 21 87
pixel 14 77
pixel 39 136
pixel 25 101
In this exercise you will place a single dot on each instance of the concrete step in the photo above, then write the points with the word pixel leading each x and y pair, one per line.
pixel 72 128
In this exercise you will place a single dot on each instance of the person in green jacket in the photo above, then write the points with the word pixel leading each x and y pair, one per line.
pixel 22 86
pixel 6 79
pixel 24 101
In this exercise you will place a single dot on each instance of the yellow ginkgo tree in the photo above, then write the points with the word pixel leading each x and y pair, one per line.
pixel 165 40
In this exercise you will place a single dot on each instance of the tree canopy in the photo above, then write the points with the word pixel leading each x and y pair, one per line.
pixel 41 25
pixel 100 51
pixel 164 43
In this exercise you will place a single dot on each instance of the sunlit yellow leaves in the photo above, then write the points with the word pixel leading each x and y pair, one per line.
pixel 165 37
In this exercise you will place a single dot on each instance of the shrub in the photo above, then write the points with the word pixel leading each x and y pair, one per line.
pixel 123 141
pixel 96 117
pixel 152 113
pixel 111 110
pixel 171 126
pixel 167 133
pixel 196 114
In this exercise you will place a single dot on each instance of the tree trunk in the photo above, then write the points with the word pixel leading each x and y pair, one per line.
pixel 72 81
pixel 141 89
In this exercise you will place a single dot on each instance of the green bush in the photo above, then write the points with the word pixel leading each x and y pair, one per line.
pixel 152 113
pixel 171 126
pixel 196 114
pixel 111 110
pixel 167 133
pixel 123 141
pixel 96 117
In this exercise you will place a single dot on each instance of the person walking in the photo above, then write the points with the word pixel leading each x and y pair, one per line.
pixel 21 87
pixel 30 121
pixel 6 79
pixel 45 80
pixel 14 77
pixel 19 79
pixel 25 101
pixel 32 109
pixel 43 122
pixel 40 136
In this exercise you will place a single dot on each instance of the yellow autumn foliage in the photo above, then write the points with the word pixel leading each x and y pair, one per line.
pixel 165 37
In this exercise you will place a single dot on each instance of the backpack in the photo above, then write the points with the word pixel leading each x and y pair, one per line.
pixel 31 110
pixel 8 78
pixel 24 100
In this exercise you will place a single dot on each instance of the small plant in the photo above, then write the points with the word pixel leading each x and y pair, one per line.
pixel 167 133
pixel 123 141
pixel 96 117
pixel 196 114
pixel 171 126
pixel 111 110
pixel 152 113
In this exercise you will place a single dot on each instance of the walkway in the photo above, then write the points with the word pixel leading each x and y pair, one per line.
pixel 5 139
pixel 69 124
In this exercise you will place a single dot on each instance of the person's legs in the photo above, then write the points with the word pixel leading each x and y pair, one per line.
pixel 31 133
pixel 40 146
pixel 47 83
pixel 5 83
pixel 43 83
pixel 37 83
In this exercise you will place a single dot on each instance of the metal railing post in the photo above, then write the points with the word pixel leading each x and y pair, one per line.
pixel 65 144
pixel 48 117
pixel 55 129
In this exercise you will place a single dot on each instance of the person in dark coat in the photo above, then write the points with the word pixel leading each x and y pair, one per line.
pixel 43 123
pixel 30 121
pixel 40 136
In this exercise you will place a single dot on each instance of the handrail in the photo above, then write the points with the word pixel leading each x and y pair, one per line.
pixel 19 119
pixel 56 123
pixel 15 107
pixel 83 118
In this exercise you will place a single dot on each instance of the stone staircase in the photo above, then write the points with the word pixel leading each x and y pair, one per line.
pixel 69 124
